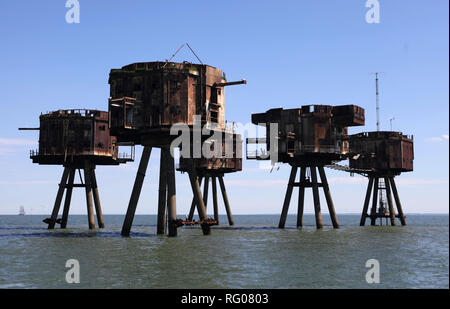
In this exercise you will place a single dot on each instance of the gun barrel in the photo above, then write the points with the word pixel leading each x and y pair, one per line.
pixel 239 82
pixel 29 129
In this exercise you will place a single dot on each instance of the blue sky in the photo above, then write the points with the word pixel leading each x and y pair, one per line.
pixel 292 53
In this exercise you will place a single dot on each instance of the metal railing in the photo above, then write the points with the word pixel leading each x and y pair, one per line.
pixel 127 156
pixel 80 111
pixel 253 154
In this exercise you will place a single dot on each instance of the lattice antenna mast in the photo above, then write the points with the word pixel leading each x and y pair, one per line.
pixel 377 92
pixel 377 101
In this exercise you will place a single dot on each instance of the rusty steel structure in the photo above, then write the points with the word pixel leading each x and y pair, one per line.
pixel 381 155
pixel 146 100
pixel 307 138
pixel 77 139
pixel 214 168
pixel 150 97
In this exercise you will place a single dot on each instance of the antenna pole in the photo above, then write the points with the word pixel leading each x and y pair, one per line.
pixel 377 101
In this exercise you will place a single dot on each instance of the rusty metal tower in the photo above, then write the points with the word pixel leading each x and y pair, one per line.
pixel 214 169
pixel 146 100
pixel 307 138
pixel 381 156
pixel 77 139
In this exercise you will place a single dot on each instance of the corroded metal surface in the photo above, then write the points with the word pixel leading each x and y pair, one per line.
pixel 221 163
pixel 158 94
pixel 147 98
pixel 70 137
pixel 385 152
pixel 312 132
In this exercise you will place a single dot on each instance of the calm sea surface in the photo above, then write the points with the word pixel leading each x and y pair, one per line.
pixel 252 254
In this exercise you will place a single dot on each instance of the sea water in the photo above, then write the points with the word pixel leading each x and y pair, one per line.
pixel 253 253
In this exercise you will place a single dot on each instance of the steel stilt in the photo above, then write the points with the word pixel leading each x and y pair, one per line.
pixel 364 214
pixel 59 196
pixel 162 195
pixel 287 198
pixel 136 191
pixel 225 201
pixel 315 189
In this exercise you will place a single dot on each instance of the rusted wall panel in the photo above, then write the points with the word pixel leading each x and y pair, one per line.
pixel 382 151
pixel 221 164
pixel 72 133
pixel 348 115
pixel 311 129
pixel 170 93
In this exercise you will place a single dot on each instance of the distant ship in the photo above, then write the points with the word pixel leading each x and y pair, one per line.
pixel 22 211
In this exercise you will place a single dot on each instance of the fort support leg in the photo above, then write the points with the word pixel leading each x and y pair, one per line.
pixel 225 201
pixel 373 211
pixel 390 203
pixel 88 187
pixel 366 202
pixel 205 193
pixel 397 201
pixel 287 198
pixel 301 197
pixel 198 197
pixel 315 190
pixel 162 195
pixel 171 194
pixel 59 195
pixel 326 191
pixel 98 207
pixel 136 191
pixel 215 202
pixel 69 188
pixel 192 210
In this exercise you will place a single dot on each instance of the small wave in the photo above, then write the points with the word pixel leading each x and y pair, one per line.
pixel 12 285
